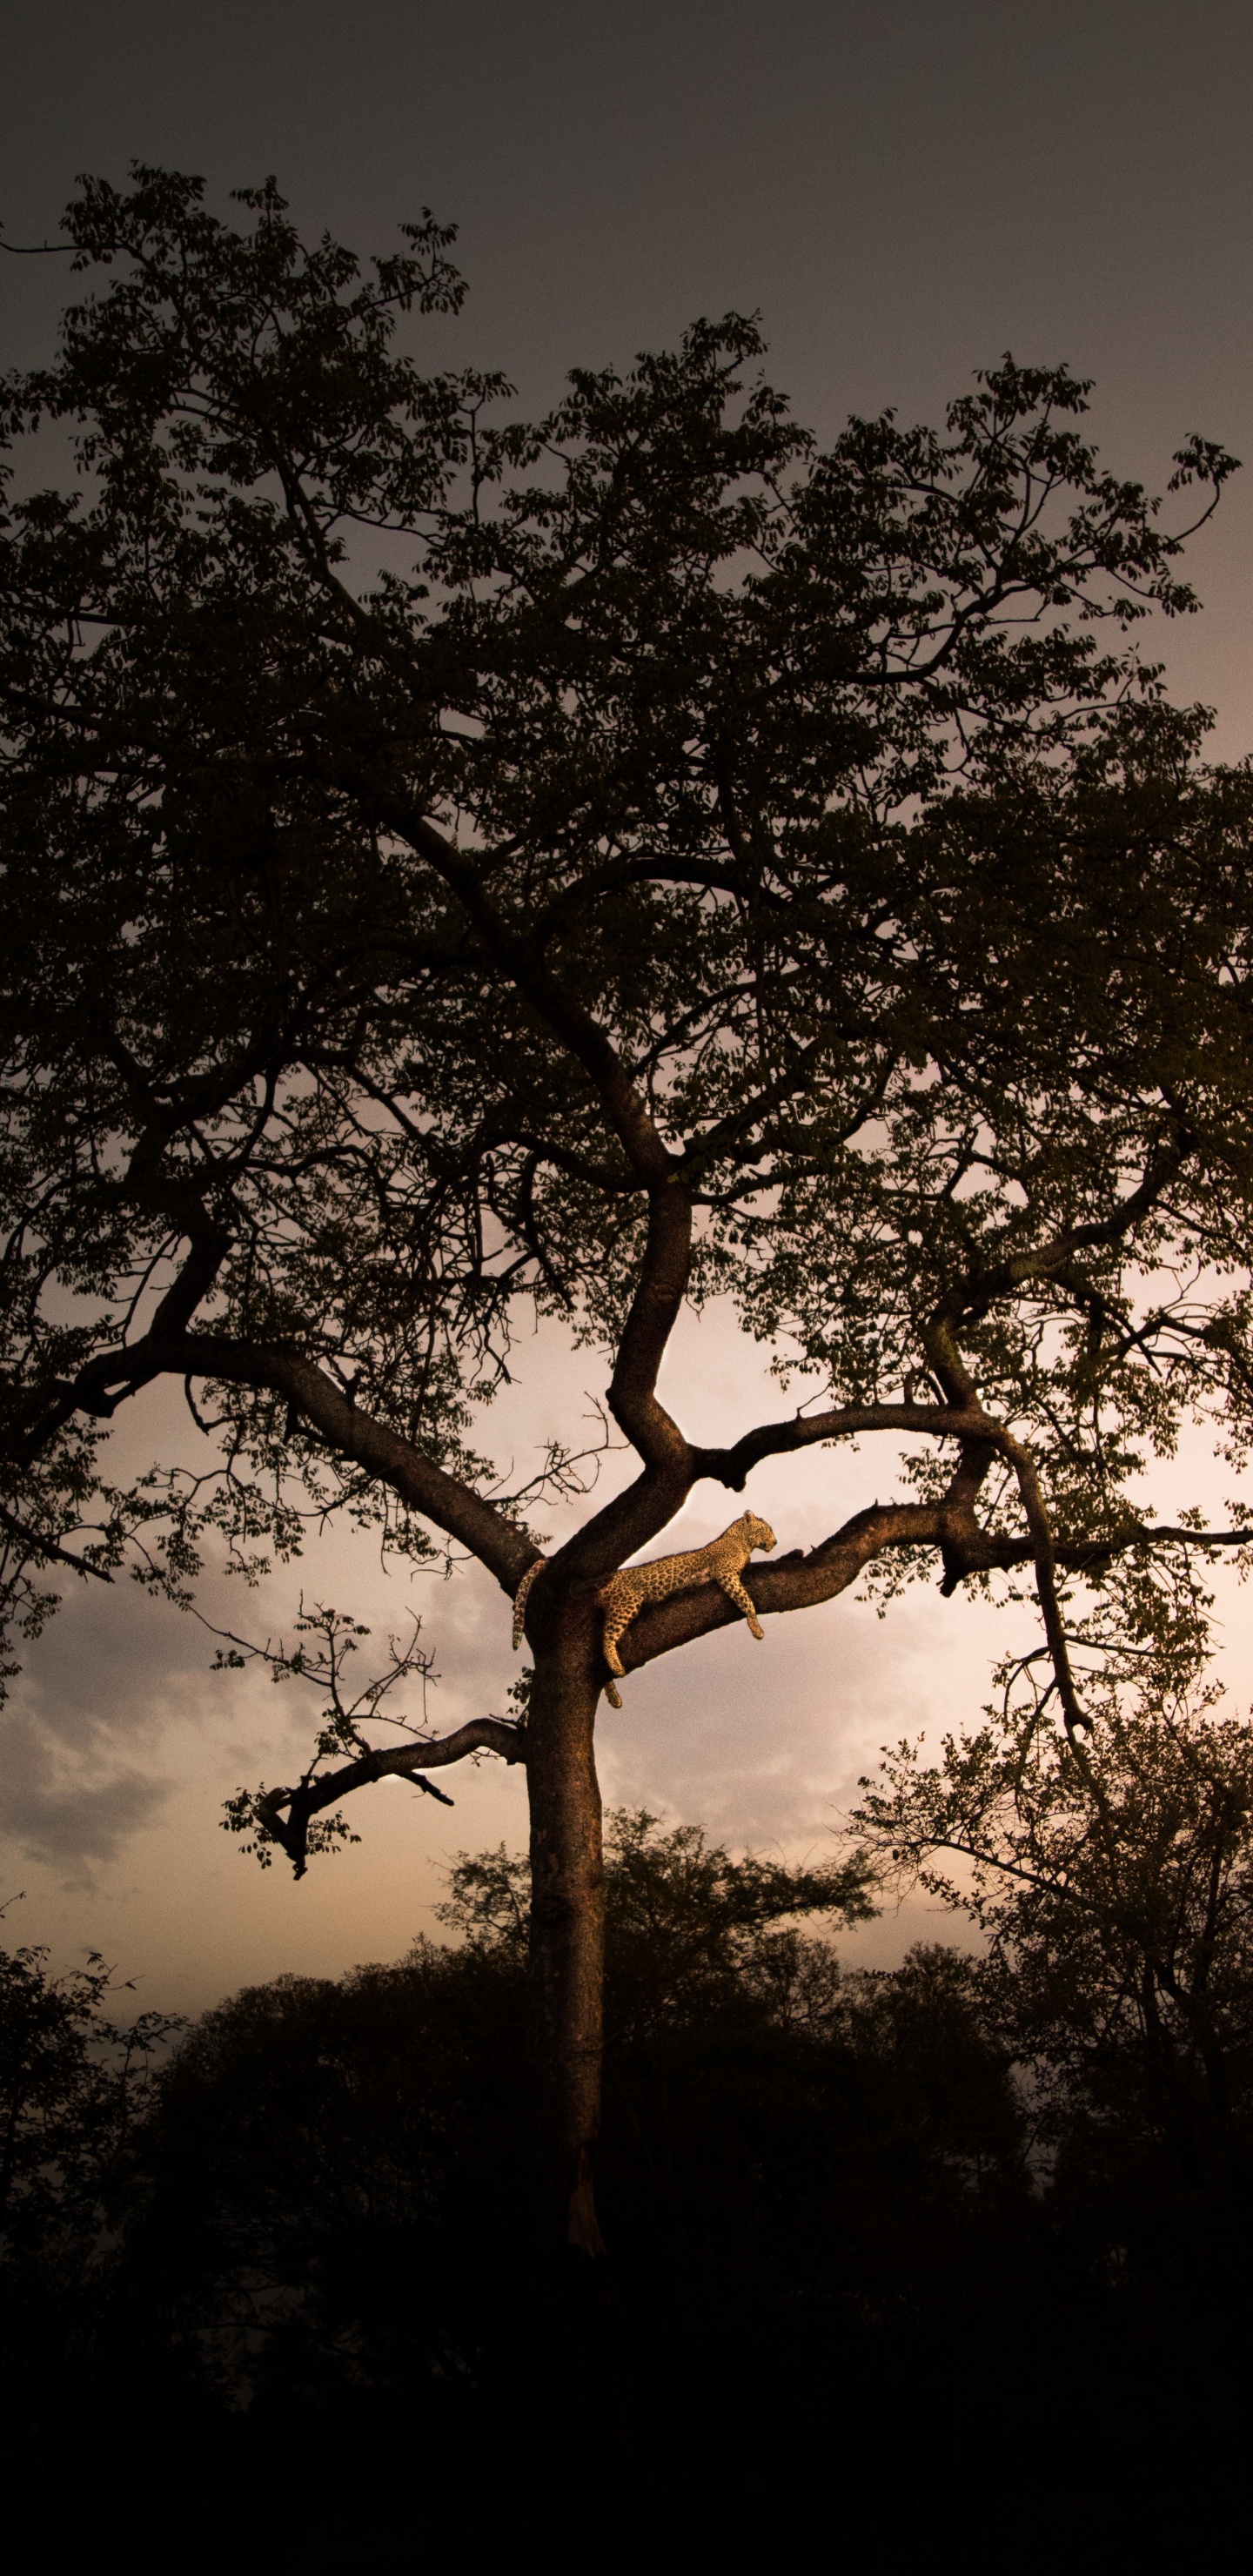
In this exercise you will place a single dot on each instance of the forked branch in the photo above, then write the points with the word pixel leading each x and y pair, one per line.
pixel 283 1816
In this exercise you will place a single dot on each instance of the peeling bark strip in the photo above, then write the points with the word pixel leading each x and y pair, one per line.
pixel 730 866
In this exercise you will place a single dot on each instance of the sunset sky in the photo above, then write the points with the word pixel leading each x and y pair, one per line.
pixel 904 189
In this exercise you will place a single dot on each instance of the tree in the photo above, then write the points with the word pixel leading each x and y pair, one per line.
pixel 73 2088
pixel 1113 1878
pixel 690 1932
pixel 460 869
pixel 807 2172
pixel 338 2167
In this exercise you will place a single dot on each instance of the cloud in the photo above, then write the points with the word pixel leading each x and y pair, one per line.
pixel 87 1817
pixel 99 1688
pixel 765 1743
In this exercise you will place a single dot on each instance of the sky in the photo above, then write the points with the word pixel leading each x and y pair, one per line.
pixel 903 189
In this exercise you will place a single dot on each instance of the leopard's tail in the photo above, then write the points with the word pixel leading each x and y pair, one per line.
pixel 519 1599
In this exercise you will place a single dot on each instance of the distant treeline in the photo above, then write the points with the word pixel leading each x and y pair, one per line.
pixel 874 2263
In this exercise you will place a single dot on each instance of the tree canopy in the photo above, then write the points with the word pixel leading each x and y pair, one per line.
pixel 458 869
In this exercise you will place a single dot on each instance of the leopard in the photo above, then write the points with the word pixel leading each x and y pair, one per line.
pixel 721 1562
pixel 634 1585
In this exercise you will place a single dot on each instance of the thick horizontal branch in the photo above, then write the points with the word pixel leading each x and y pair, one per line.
pixel 806 1431
pixel 996 1555
pixel 797 1582
pixel 801 1581
pixel 392 1762
pixel 452 1506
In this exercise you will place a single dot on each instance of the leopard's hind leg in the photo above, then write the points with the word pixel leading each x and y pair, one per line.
pixel 616 1619
pixel 734 1590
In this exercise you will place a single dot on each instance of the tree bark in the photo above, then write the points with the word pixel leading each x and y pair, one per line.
pixel 583 2417
pixel 567 1917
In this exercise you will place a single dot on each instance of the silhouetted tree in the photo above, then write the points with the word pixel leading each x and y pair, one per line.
pixel 75 2086
pixel 826 2189
pixel 1113 1879
pixel 455 869
pixel 337 2176
pixel 689 1930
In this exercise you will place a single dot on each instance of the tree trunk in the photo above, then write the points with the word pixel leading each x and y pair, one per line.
pixel 567 1925
pixel 583 2420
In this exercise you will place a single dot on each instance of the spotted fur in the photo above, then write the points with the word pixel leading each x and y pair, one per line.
pixel 721 1562
pixel 519 1599
pixel 633 1586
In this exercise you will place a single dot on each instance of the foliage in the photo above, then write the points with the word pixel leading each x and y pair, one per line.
pixel 825 2219
pixel 690 1932
pixel 318 2169
pixel 1113 1879
pixel 427 838
pixel 339 2173
pixel 72 2086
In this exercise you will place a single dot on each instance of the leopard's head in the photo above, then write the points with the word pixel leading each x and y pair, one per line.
pixel 758 1533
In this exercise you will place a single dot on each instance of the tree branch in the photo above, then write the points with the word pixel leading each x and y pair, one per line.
pixel 453 1506
pixel 632 1518
pixel 800 1581
pixel 48 1547
pixel 406 1761
pixel 797 1582
pixel 659 1294
pixel 973 1295
pixel 733 1466
pixel 566 1017
pixel 1041 1529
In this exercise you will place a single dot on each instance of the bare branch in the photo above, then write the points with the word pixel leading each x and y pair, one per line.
pixel 405 1762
